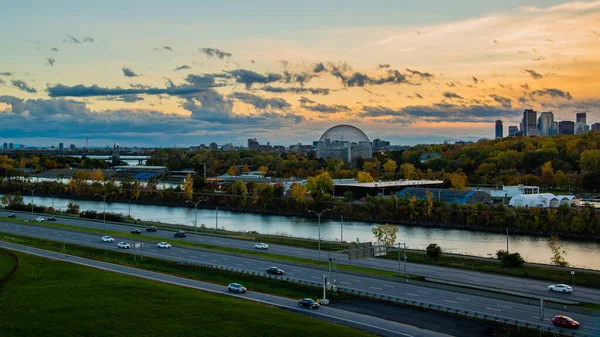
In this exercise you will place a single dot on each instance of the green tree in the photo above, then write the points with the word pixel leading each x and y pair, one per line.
pixel 348 196
pixel 558 252
pixel 513 260
pixel 364 177
pixel 390 167
pixel 433 251
pixel 298 193
pixel 263 193
pixel 319 185
pixel 408 170
pixel 72 208
pixel 238 188
pixel 385 233
pixel 590 160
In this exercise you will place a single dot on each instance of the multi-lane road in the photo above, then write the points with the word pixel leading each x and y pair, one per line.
pixel 534 287
pixel 474 303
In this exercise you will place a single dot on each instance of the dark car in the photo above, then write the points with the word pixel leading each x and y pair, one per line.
pixel 309 303
pixel 180 234
pixel 565 322
pixel 12 215
pixel 136 231
pixel 151 229
pixel 51 218
pixel 274 270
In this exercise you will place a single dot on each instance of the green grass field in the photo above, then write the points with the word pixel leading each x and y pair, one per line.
pixel 52 298
pixel 6 264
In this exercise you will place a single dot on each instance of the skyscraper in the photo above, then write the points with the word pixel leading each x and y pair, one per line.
pixel 546 123
pixel 529 122
pixel 581 123
pixel 581 118
pixel 512 130
pixel 499 129
pixel 566 127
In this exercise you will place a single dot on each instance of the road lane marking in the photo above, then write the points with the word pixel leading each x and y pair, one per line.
pixel 354 280
pixel 344 282
pixel 493 309
pixel 504 306
pixel 411 294
pixel 387 285
pixel 375 288
pixel 315 277
pixel 423 292
pixel 450 301
pixel 462 299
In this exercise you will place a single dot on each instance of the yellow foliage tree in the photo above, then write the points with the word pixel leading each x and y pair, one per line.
pixel 188 187
pixel 385 233
pixel 364 177
pixel 408 170
pixel 390 167
pixel 298 193
pixel 97 175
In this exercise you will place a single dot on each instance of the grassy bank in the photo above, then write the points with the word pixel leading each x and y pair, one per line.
pixel 51 298
pixel 6 264
pixel 553 275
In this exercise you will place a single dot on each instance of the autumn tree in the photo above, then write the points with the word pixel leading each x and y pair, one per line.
pixel 188 187
pixel 238 188
pixel 298 193
pixel 385 233
pixel 263 169
pixel 590 160
pixel 364 177
pixel 97 175
pixel 457 180
pixel 319 185
pixel 390 167
pixel 547 173
pixel 558 252
pixel 408 170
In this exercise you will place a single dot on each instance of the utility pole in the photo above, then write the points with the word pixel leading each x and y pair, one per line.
pixel 319 215
pixel 506 240
pixel 342 230
pixel 196 213
pixel 32 190
pixel 104 213
pixel 217 218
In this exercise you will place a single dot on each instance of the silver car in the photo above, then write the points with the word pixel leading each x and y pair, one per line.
pixel 563 288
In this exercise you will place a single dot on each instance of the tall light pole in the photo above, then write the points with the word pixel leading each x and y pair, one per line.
pixel 196 213
pixel 216 218
pixel 319 215
pixel 32 190
pixel 104 213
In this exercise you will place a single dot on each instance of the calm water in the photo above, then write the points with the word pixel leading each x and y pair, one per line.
pixel 533 249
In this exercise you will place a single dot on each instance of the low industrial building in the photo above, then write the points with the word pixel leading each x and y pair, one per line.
pixel 543 200
pixel 381 188
pixel 448 196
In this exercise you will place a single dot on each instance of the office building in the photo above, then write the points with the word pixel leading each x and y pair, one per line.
pixel 513 130
pixel 529 122
pixel 10 145
pixel 581 117
pixel 596 127
pixel 566 127
pixel 546 123
pixel 253 143
pixel 499 129
pixel 581 123
pixel 5 146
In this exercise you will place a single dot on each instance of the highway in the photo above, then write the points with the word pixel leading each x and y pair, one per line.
pixel 368 323
pixel 534 287
pixel 495 307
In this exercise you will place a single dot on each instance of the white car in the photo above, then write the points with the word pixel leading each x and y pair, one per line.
pixel 123 245
pixel 40 219
pixel 563 288
pixel 107 238
pixel 163 245
pixel 236 287
pixel 261 246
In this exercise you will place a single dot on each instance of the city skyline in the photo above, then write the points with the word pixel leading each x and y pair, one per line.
pixel 186 73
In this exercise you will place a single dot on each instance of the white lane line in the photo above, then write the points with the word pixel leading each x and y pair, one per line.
pixel 204 255
pixel 375 288
pixel 411 294
pixel 536 317
pixel 387 285
pixel 315 277
pixel 462 299
pixel 354 280
pixel 450 301
pixel 493 309
pixel 504 306
pixel 423 292
pixel 291 273
pixel 344 282
pixel 194 257
pixel 296 270
pixel 239 264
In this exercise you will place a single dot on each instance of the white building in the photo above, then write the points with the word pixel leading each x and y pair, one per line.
pixel 511 191
pixel 543 200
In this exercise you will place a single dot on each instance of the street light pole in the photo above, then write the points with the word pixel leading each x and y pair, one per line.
pixel 196 213
pixel 319 215
pixel 216 218
pixel 104 213
pixel 32 190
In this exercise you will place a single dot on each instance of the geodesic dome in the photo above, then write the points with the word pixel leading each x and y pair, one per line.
pixel 345 142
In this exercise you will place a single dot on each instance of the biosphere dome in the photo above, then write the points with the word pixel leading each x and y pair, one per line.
pixel 345 142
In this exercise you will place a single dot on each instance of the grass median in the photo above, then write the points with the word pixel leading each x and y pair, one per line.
pixel 53 298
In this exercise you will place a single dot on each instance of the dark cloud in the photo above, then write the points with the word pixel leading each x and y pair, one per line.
pixel 304 100
pixel 6 73
pixel 534 74
pixel 249 77
pixel 495 41
pixel 504 101
pixel 475 80
pixel 167 48
pixel 128 72
pixel 360 80
pixel 555 93
pixel 451 84
pixel 207 80
pixel 71 39
pixel 300 78
pixel 183 67
pixel 23 86
pixel 425 76
pixel 261 102
pixel 284 63
pixel 54 49
pixel 521 52
pixel 319 67
pixel 452 95
pixel 2 82
pixel 213 52
pixel 551 41
pixel 124 98
pixel 88 39
pixel 596 33
pixel 50 61
pixel 383 66
pixel 297 90
pixel 418 95
pixel 525 86
pixel 61 90
pixel 439 113
pixel 327 109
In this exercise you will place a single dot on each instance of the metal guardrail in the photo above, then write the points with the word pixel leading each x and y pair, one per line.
pixel 401 300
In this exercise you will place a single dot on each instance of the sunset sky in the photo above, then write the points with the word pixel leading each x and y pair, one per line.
pixel 158 73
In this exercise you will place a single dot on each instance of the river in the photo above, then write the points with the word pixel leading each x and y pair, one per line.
pixel 533 249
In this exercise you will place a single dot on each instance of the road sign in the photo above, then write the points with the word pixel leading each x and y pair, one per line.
pixel 138 245
pixel 360 251
pixel 379 249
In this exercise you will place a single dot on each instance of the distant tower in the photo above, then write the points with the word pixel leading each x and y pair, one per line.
pixel 581 123
pixel 512 131
pixel 499 129
pixel 86 142
pixel 529 121
pixel 546 123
